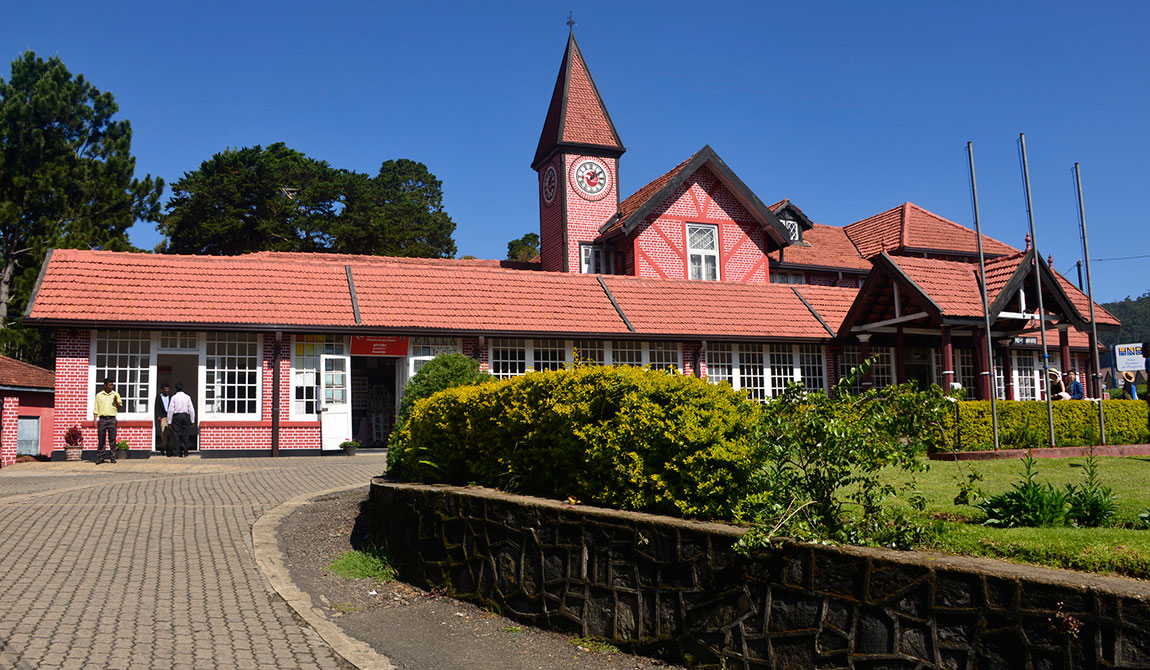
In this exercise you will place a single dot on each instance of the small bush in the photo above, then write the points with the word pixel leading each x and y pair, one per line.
pixel 442 372
pixel 1033 505
pixel 370 563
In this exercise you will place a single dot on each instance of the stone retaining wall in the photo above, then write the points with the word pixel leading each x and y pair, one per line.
pixel 675 588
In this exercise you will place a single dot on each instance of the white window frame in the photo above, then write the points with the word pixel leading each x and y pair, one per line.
pixel 424 348
pixel 744 366
pixel 1028 382
pixel 178 342
pixel 148 370
pixel 703 254
pixel 881 373
pixel 204 409
pixel 594 260
pixel 605 351
pixel 785 371
pixel 300 370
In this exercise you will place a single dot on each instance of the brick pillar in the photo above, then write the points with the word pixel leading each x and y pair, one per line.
pixel 1064 349
pixel 8 428
pixel 981 365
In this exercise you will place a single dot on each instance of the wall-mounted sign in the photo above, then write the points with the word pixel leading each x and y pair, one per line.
pixel 1025 340
pixel 379 345
pixel 1129 357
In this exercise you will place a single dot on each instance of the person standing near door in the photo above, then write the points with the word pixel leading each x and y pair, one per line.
pixel 108 403
pixel 163 435
pixel 182 418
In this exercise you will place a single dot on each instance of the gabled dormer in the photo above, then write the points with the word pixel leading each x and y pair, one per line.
pixel 699 221
pixel 577 160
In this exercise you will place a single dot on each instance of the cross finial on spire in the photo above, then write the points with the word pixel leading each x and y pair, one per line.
pixel 571 21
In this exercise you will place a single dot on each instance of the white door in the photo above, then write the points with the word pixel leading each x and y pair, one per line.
pixel 335 400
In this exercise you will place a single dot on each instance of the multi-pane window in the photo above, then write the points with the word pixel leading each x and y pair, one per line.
pixel 703 252
pixel 549 355
pixel 125 356
pixel 508 357
pixel 1026 376
pixel 788 278
pixel 720 363
pixel 964 368
pixel 627 352
pixel 231 374
pixel 594 260
pixel 663 355
pixel 591 351
pixel 753 370
pixel 881 372
pixel 765 371
pixel 305 370
pixel 424 349
pixel 178 340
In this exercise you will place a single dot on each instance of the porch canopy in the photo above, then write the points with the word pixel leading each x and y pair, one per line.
pixel 910 302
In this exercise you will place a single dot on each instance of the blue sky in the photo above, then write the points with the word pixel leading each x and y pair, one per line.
pixel 847 108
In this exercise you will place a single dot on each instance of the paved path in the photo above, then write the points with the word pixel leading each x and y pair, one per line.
pixel 149 564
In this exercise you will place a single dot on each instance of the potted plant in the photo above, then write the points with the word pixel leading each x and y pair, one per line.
pixel 122 449
pixel 73 447
pixel 349 447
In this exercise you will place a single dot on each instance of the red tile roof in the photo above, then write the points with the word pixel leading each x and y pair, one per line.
pixel 483 300
pixel 695 308
pixel 909 226
pixel 829 247
pixel 640 197
pixel 576 114
pixel 25 375
pixel 998 273
pixel 1082 303
pixel 90 288
pixel 106 286
pixel 830 302
pixel 953 286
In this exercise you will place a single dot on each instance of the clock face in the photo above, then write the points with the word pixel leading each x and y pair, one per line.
pixel 549 184
pixel 591 178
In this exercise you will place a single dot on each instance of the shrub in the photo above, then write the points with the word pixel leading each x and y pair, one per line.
pixel 1030 504
pixel 630 438
pixel 821 456
pixel 1024 424
pixel 73 437
pixel 442 372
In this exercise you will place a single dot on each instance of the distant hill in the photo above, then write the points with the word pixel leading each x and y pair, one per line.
pixel 1135 318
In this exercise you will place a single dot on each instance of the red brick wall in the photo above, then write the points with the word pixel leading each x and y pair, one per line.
pixel 72 387
pixel 584 217
pixel 823 278
pixel 551 240
pixel 8 422
pixel 659 243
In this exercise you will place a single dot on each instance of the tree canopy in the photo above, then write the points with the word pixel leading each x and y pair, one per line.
pixel 1135 318
pixel 66 180
pixel 523 249
pixel 275 198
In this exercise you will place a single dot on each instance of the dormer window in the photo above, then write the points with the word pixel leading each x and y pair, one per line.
pixel 794 232
pixel 703 252
pixel 593 260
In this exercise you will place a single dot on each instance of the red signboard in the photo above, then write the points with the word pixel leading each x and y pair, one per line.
pixel 378 345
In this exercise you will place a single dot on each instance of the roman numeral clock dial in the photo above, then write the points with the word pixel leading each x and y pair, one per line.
pixel 591 178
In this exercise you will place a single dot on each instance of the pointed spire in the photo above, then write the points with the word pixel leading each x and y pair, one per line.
pixel 577 117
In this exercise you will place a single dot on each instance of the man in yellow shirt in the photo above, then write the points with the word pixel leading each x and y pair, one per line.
pixel 107 404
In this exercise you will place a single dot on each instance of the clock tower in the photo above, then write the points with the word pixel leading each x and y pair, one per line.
pixel 577 161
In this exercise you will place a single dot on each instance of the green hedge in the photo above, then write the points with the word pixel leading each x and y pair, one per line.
pixel 625 437
pixel 1024 423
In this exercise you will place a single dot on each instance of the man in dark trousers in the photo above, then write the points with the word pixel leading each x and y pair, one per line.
pixel 163 434
pixel 107 404
pixel 181 417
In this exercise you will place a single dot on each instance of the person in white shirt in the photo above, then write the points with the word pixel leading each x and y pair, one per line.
pixel 181 417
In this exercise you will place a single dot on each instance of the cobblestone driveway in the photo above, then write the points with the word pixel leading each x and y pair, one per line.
pixel 148 564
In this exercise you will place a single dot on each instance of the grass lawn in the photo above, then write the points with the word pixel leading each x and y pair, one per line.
pixel 1122 549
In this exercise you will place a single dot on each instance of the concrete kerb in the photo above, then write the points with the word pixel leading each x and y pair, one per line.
pixel 271 562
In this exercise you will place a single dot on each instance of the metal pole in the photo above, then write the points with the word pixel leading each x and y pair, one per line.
pixel 1038 287
pixel 985 304
pixel 1090 294
pixel 1078 264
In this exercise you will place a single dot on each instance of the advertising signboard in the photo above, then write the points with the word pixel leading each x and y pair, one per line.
pixel 379 345
pixel 1129 357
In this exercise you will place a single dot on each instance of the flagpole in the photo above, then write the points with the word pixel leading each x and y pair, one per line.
pixel 985 305
pixel 1038 287
pixel 1090 294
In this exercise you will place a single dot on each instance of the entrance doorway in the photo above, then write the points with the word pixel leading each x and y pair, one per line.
pixel 184 369
pixel 374 388
pixel 919 366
